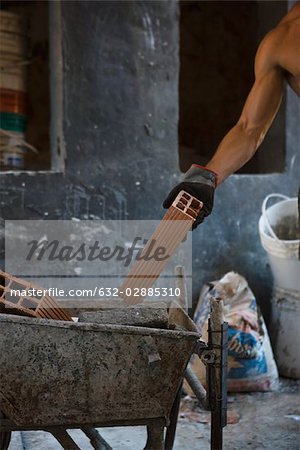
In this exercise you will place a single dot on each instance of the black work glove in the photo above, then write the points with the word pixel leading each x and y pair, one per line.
pixel 200 183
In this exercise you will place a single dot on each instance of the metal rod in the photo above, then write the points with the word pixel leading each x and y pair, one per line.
pixel 196 386
pixel 64 439
pixel 97 441
pixel 217 332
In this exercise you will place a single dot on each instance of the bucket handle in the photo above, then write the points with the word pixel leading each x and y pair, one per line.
pixel 265 215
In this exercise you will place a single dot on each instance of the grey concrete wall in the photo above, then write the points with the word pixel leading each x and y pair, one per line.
pixel 120 79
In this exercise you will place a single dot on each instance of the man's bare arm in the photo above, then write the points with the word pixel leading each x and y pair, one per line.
pixel 264 99
pixel 276 61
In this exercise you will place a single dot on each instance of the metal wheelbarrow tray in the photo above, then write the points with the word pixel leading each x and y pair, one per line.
pixel 56 373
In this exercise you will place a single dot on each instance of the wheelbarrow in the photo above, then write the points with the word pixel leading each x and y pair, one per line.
pixel 59 375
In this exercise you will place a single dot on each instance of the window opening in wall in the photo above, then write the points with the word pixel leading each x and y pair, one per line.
pixel 218 42
pixel 25 110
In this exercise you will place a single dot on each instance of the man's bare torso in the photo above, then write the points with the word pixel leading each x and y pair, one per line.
pixel 287 36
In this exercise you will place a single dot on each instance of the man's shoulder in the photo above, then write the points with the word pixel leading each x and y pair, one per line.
pixel 279 49
pixel 267 54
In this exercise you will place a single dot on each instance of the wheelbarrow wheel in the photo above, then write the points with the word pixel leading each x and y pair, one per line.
pixel 5 436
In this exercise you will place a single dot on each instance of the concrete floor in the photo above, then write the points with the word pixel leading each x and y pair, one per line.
pixel 257 421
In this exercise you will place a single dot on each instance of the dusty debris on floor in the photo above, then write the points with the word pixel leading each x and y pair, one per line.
pixel 261 420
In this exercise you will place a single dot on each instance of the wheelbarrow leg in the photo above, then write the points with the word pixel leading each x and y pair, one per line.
pixel 96 439
pixel 5 436
pixel 171 430
pixel 155 437
pixel 63 438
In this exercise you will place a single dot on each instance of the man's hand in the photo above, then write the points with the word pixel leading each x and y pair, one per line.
pixel 200 183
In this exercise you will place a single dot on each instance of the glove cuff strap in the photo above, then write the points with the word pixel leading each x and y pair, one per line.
pixel 215 175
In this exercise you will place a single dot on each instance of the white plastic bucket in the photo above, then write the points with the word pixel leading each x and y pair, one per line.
pixel 282 254
pixel 286 331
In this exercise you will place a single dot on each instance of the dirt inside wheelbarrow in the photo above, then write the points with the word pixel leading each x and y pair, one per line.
pixel 159 315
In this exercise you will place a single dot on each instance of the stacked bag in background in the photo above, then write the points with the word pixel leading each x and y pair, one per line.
pixel 13 63
pixel 251 366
